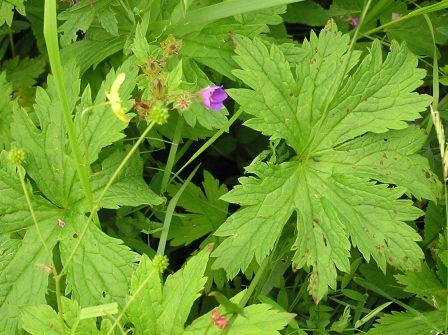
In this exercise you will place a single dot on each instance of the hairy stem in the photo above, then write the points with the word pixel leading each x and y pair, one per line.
pixel 51 41
pixel 56 278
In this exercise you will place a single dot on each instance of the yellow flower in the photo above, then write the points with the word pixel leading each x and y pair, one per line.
pixel 114 98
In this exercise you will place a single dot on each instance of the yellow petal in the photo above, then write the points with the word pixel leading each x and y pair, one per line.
pixel 117 84
pixel 122 116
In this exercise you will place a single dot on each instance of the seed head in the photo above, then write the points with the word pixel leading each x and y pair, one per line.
pixel 159 115
pixel 183 102
pixel 16 156
pixel 160 262
pixel 171 46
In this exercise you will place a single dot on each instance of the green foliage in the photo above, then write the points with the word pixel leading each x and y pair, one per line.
pixel 259 319
pixel 338 224
pixel 337 124
pixel 163 309
pixel 206 212
pixel 7 10
pixel 51 167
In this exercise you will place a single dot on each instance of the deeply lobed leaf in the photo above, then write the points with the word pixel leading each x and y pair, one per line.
pixel 355 158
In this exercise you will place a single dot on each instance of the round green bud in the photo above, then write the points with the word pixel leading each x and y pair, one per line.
pixel 159 115
pixel 16 156
pixel 160 262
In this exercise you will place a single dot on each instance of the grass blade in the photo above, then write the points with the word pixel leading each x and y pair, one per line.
pixel 230 8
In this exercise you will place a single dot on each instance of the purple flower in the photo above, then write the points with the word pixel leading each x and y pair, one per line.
pixel 213 97
pixel 354 22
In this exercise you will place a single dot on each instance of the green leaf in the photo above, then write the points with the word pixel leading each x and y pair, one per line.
pixel 408 323
pixel 48 163
pixel 93 312
pixel 72 316
pixel 213 45
pixel 229 306
pixel 147 306
pixel 197 113
pixel 414 30
pixel 130 178
pixel 179 293
pixel 307 12
pixel 434 221
pixel 260 319
pixel 14 211
pixel 23 72
pixel 96 125
pixel 156 310
pixel 101 268
pixel 23 277
pixel 230 8
pixel 82 15
pixel 41 319
pixel 141 47
pixel 6 108
pixel 346 158
pixel 7 10
pixel 424 284
pixel 89 53
pixel 174 77
pixel 206 212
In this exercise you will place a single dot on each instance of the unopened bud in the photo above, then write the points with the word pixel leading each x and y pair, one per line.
pixel 159 115
pixel 171 46
pixel 16 156
pixel 160 262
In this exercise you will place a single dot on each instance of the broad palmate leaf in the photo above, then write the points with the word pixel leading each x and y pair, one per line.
pixel 356 156
pixel 102 266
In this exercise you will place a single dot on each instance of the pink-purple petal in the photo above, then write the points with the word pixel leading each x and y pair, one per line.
pixel 216 106
pixel 219 95
pixel 213 96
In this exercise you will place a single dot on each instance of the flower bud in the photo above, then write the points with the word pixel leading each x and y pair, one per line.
pixel 171 46
pixel 159 115
pixel 16 156
pixel 160 262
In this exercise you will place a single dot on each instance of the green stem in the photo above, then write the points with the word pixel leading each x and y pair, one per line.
pixel 169 213
pixel 435 75
pixel 446 244
pixel 209 142
pixel 44 244
pixel 11 42
pixel 183 149
pixel 249 292
pixel 162 243
pixel 435 106
pixel 51 40
pixel 96 206
pixel 172 155
pixel 128 303
pixel 417 12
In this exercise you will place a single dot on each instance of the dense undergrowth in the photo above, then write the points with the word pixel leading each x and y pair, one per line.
pixel 223 167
